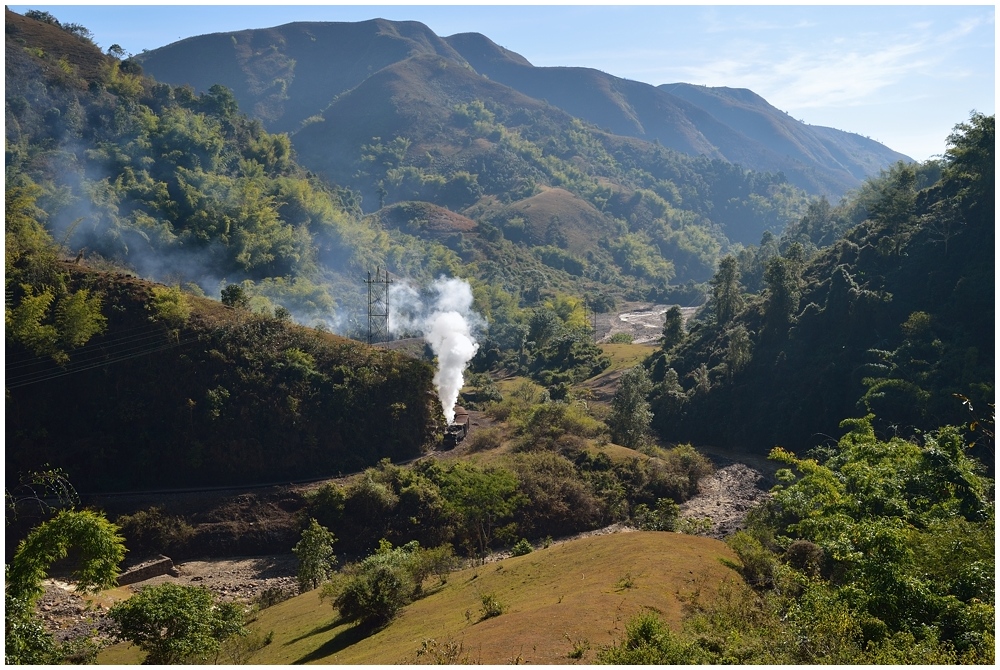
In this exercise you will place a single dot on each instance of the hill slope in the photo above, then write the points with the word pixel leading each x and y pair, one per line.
pixel 575 595
pixel 225 397
pixel 286 74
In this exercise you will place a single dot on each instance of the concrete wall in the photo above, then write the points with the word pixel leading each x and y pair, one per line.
pixel 154 568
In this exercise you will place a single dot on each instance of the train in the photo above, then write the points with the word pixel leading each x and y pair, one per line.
pixel 457 430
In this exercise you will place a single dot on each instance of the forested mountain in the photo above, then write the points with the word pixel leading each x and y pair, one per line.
pixel 128 384
pixel 287 74
pixel 857 333
pixel 895 318
pixel 182 187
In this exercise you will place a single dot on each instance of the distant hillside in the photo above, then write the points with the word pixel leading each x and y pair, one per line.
pixel 835 151
pixel 288 74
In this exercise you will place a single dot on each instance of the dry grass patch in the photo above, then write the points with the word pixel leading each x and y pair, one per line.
pixel 624 356
pixel 558 604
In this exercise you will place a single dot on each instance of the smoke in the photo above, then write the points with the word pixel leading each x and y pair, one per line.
pixel 448 324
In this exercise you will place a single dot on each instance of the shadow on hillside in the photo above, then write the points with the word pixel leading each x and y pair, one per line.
pixel 317 630
pixel 338 642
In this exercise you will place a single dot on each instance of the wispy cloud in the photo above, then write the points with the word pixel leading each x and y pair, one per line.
pixel 805 69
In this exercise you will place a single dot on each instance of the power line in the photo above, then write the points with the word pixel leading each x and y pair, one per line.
pixel 74 367
pixel 90 349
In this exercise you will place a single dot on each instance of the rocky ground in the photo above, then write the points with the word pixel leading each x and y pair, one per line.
pixel 725 497
pixel 643 321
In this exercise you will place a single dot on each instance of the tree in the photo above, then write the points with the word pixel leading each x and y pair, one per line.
pixel 727 294
pixel 234 295
pixel 176 624
pixel 970 166
pixel 673 328
pixel 894 208
pixel 315 554
pixel 481 499
pixel 630 413
pixel 740 350
pixel 100 549
pixel 782 293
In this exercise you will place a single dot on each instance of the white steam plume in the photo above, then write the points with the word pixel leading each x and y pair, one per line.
pixel 448 326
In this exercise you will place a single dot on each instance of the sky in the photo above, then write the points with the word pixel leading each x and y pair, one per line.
pixel 903 75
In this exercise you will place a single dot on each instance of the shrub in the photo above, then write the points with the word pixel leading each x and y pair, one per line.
pixel 153 531
pixel 758 563
pixel 373 591
pixel 234 295
pixel 621 338
pixel 375 594
pixel 492 607
pixel 521 548
pixel 169 305
pixel 485 439
pixel 664 517
pixel 562 502
pixel 805 556
pixel 648 641
pixel 326 504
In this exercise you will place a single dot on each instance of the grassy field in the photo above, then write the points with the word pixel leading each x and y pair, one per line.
pixel 561 604
pixel 625 355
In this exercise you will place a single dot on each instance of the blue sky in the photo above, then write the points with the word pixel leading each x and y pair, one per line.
pixel 901 74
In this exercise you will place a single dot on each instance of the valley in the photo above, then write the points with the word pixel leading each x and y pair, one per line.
pixel 353 343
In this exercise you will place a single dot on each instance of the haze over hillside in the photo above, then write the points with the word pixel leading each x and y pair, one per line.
pixel 288 74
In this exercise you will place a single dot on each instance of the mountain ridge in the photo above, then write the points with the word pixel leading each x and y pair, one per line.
pixel 275 75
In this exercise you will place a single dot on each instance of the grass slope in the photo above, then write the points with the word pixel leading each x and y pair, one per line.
pixel 556 597
pixel 576 595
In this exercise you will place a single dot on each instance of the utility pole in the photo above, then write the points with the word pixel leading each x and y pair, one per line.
pixel 378 306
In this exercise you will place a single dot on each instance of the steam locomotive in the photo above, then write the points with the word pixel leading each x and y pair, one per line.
pixel 457 430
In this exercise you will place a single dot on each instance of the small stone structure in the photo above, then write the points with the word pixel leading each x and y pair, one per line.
pixel 161 565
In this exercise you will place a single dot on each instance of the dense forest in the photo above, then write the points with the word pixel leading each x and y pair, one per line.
pixel 882 304
pixel 181 289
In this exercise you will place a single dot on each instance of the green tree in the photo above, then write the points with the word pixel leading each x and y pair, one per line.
pixel 970 167
pixel 482 499
pixel 42 313
pixel 782 293
pixel 176 624
pixel 234 295
pixel 673 328
pixel 740 350
pixel 727 294
pixel 315 554
pixel 894 208
pixel 169 305
pixel 99 548
pixel 630 414
pixel 374 590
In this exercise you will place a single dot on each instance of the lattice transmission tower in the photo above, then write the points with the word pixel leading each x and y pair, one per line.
pixel 378 306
